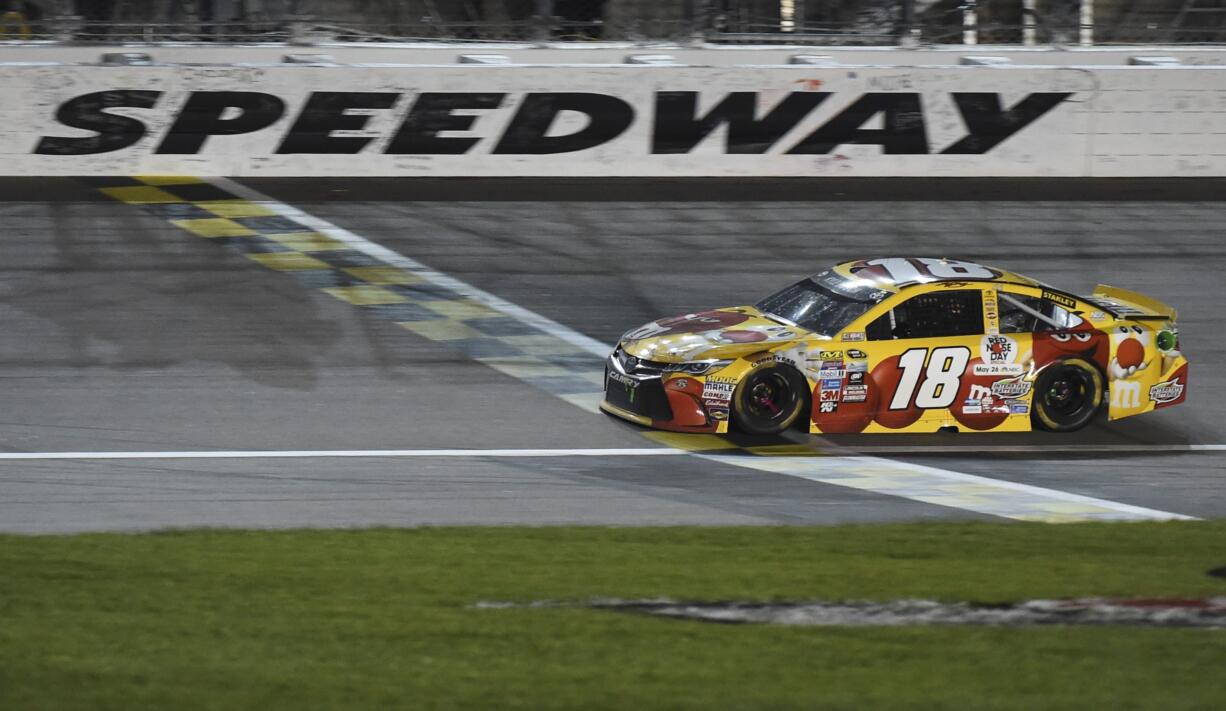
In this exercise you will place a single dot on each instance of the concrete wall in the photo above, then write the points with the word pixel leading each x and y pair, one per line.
pixel 615 120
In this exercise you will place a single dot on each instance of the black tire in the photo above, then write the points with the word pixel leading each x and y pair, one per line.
pixel 1067 395
pixel 769 399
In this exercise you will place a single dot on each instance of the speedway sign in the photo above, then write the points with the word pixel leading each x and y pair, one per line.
pixel 561 120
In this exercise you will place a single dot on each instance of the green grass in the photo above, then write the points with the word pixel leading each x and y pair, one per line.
pixel 383 618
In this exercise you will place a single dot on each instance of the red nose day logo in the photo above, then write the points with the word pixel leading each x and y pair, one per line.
pixel 999 349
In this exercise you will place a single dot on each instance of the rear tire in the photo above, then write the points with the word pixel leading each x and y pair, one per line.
pixel 769 399
pixel 1067 395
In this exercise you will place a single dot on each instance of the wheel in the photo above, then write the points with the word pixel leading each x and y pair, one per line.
pixel 769 400
pixel 1067 395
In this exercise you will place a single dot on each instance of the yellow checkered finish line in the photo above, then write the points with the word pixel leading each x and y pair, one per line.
pixel 413 302
pixel 562 363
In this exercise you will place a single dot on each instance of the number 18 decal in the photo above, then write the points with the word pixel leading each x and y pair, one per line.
pixel 938 383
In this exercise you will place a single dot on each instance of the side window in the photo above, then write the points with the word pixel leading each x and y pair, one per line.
pixel 933 315
pixel 1063 317
pixel 1017 313
pixel 1028 314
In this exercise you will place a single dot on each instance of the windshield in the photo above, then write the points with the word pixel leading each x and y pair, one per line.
pixel 822 304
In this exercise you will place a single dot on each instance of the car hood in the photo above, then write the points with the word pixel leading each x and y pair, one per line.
pixel 718 334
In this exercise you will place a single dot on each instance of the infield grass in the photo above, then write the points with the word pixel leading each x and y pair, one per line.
pixel 383 619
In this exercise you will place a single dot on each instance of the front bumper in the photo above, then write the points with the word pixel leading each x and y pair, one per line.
pixel 643 393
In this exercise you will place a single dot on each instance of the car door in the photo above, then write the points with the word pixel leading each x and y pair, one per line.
pixel 920 350
pixel 903 362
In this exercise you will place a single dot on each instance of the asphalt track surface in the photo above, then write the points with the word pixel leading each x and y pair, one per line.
pixel 122 333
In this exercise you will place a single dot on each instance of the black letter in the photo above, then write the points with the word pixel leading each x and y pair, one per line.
pixel 608 116
pixel 88 112
pixel 430 115
pixel 904 131
pixel 201 116
pixel 987 125
pixel 324 113
pixel 677 131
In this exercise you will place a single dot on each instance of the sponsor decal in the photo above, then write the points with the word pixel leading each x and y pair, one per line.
pixel 1114 306
pixel 972 407
pixel 998 369
pixel 324 123
pixel 1060 299
pixel 832 383
pixel 718 390
pixel 831 355
pixel 681 383
pixel 1098 316
pixel 997 349
pixel 832 365
pixel 1125 394
pixel 856 354
pixel 787 359
pixel 827 406
pixel 829 396
pixel 857 367
pixel 717 413
pixel 855 378
pixel 1166 392
pixel 623 379
pixel 853 336
pixel 1018 408
pixel 855 393
pixel 1011 389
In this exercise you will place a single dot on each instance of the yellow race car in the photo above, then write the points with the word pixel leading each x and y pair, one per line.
pixel 902 345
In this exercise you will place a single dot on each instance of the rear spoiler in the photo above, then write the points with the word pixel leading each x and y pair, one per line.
pixel 1123 303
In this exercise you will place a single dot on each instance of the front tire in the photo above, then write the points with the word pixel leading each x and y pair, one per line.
pixel 1067 395
pixel 769 400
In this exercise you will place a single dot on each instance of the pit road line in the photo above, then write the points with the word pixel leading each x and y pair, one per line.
pixel 883 476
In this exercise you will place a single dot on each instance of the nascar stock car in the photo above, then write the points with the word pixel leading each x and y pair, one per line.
pixel 902 345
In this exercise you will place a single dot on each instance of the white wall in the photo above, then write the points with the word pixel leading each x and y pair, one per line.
pixel 1115 121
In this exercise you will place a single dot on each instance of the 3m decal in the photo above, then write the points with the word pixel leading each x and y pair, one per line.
pixel 937 384
pixel 425 126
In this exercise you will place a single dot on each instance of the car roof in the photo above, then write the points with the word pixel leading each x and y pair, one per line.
pixel 892 273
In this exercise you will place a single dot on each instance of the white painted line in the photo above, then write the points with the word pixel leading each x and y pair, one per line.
pixel 943 487
pixel 970 449
pixel 359 453
pixel 395 259
pixel 884 476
